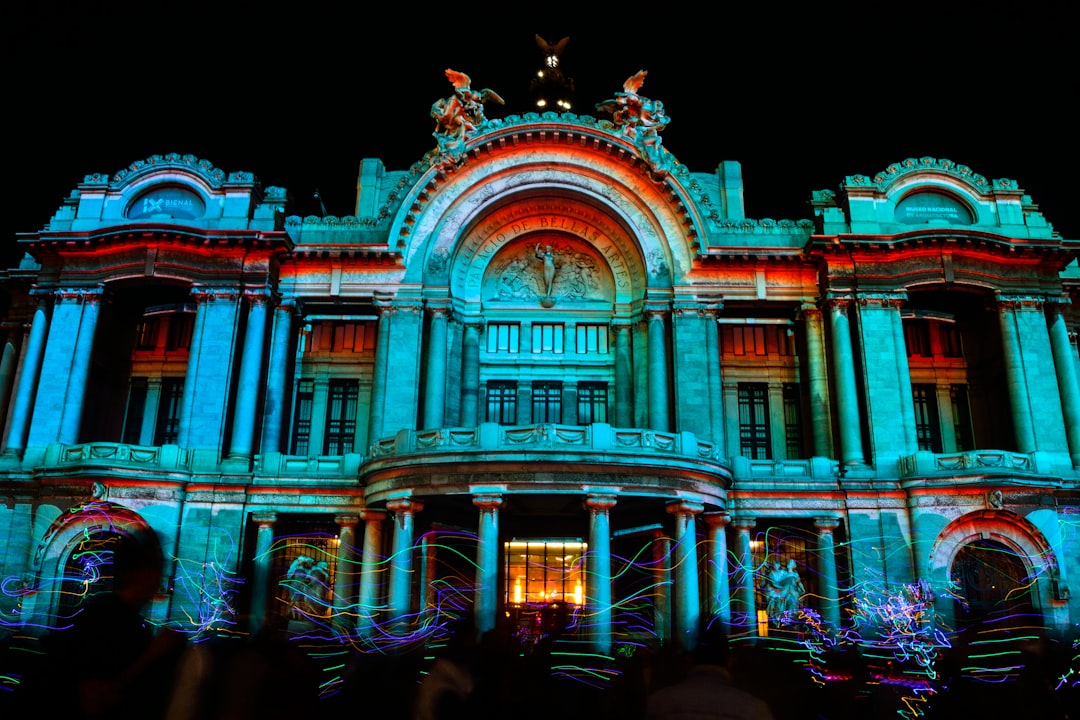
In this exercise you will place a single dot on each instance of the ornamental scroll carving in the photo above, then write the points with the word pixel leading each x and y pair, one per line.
pixel 574 275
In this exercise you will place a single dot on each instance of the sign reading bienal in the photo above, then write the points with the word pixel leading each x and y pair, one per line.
pixel 167 202
pixel 923 208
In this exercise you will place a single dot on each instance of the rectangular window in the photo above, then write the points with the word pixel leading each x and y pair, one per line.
pixel 167 429
pixel 793 421
pixel 757 340
pixel 592 339
pixel 592 401
pixel 541 572
pixel 917 338
pixel 927 427
pixel 344 336
pixel 502 402
pixel 547 338
pixel 180 327
pixel 547 402
pixel 503 337
pixel 146 333
pixel 133 416
pixel 754 420
pixel 341 417
pixel 950 340
pixel 305 399
pixel 961 418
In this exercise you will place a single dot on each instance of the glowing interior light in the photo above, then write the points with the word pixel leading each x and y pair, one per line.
pixel 762 623
pixel 578 593
pixel 517 591
pixel 540 73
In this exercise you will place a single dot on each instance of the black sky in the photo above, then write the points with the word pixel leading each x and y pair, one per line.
pixel 299 93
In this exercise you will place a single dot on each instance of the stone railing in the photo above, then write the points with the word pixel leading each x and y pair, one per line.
pixel 165 457
pixel 973 462
pixel 276 464
pixel 598 437
pixel 817 468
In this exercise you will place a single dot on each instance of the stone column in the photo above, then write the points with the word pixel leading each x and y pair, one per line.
pixel 818 380
pixel 1065 367
pixel 687 592
pixel 716 374
pixel 847 397
pixel 8 362
pixel 829 590
pixel 211 369
pixel 487 562
pixel 719 593
pixel 277 379
pixel 747 615
pixel 658 368
pixel 903 371
pixel 435 382
pixel 624 379
pixel 260 581
pixel 247 389
pixel 429 543
pixel 1023 424
pixel 378 372
pixel 598 603
pixel 150 411
pixel 345 573
pixel 661 547
pixel 27 378
pixel 400 605
pixel 71 419
pixel 371 570
pixel 470 373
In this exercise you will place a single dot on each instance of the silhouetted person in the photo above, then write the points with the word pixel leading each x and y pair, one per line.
pixel 707 692
pixel 110 663
pixel 446 692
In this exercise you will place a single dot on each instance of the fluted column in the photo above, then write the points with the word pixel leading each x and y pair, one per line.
pixel 1065 367
pixel 260 581
pixel 378 372
pixel 26 382
pixel 277 378
pixel 487 562
pixel 658 368
pixel 247 390
pixel 719 592
pixel 830 593
pixel 661 551
pixel 71 419
pixel 435 382
pixel 345 573
pixel 716 375
pixel 687 592
pixel 818 380
pixel 404 510
pixel 470 373
pixel 1023 424
pixel 624 379
pixel 598 582
pixel 747 616
pixel 847 397
pixel 371 570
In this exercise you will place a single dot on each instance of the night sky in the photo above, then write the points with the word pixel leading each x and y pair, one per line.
pixel 299 96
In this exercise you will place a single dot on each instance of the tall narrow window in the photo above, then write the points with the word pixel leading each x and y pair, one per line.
pixel 592 338
pixel 592 402
pixel 961 418
pixel 950 340
pixel 341 417
pixel 167 429
pixel 547 402
pixel 146 333
pixel 927 428
pixel 754 420
pixel 793 421
pixel 305 398
pixel 503 337
pixel 547 338
pixel 502 402
pixel 180 328
pixel 917 338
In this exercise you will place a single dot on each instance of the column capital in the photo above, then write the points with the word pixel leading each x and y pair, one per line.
pixel 203 293
pixel 744 522
pixel 837 301
pixel 258 296
pixel 488 502
pixel 809 311
pixel 438 307
pixel 79 294
pixel 719 519
pixel 404 505
pixel 826 524
pixel 346 520
pixel 265 519
pixel 600 502
pixel 891 298
pixel 1016 301
pixel 685 507
pixel 372 515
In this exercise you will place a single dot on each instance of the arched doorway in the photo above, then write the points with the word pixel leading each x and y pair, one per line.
pixel 992 582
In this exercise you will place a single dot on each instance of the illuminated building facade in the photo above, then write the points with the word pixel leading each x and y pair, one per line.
pixel 546 370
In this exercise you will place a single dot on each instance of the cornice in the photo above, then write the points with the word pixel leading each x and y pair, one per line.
pixel 910 166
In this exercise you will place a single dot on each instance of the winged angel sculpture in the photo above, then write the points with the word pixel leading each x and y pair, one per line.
pixel 640 119
pixel 459 116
